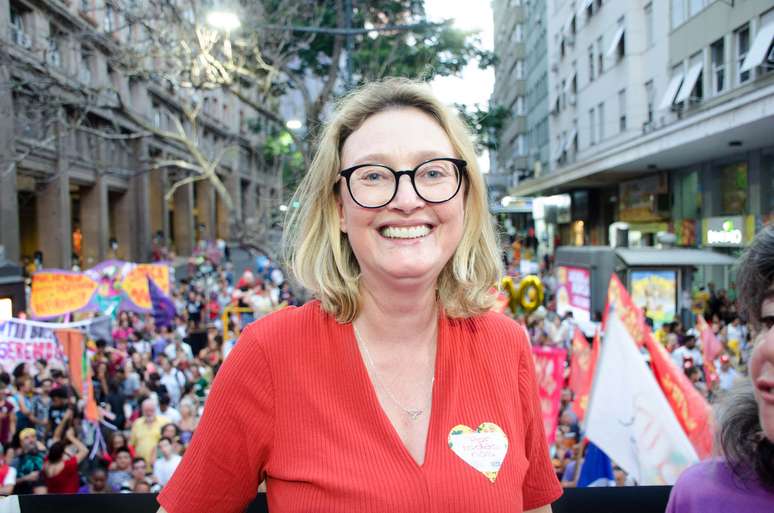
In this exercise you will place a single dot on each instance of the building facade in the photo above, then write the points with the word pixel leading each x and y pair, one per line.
pixel 81 180
pixel 536 62
pixel 660 116
pixel 510 159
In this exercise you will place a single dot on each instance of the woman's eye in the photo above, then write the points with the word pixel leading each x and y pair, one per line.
pixel 768 322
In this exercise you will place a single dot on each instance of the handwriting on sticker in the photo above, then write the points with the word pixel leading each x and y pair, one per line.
pixel 483 449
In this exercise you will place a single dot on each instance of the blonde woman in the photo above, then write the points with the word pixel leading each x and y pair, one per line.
pixel 395 390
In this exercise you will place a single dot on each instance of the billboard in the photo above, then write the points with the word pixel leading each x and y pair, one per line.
pixel 656 291
pixel 573 293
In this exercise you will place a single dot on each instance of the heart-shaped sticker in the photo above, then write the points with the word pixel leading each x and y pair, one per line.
pixel 483 449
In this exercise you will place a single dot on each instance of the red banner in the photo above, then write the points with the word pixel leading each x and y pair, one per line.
pixel 549 367
pixel 74 346
pixel 582 371
pixel 692 410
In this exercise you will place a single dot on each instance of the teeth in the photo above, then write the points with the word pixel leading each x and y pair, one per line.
pixel 405 232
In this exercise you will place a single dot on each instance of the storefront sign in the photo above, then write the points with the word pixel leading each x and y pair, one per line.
pixel 574 292
pixel 724 231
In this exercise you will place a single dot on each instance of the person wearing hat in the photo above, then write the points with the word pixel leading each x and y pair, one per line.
pixel 29 464
pixel 726 373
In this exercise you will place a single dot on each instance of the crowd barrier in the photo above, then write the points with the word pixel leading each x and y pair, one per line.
pixel 639 499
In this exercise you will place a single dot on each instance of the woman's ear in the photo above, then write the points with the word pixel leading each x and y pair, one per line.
pixel 342 219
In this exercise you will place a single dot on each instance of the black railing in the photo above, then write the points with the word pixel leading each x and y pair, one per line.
pixel 635 499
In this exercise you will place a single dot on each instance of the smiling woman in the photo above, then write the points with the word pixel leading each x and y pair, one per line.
pixel 396 390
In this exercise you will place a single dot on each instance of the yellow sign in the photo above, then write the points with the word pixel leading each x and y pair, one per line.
pixel 136 282
pixel 57 293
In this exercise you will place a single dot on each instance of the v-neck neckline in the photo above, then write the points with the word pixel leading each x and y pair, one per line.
pixel 373 398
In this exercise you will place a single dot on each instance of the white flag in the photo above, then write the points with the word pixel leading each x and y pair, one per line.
pixel 628 416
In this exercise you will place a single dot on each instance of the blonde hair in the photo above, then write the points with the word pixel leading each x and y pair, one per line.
pixel 319 254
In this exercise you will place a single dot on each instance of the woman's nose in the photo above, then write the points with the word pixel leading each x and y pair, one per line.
pixel 406 198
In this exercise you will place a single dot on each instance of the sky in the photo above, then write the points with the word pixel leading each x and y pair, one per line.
pixel 474 86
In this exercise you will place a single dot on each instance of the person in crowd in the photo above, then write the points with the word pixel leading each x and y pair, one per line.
pixel 402 267
pixel 116 441
pixel 178 350
pixel 727 374
pixel 29 464
pixel 23 403
pixel 120 469
pixel 172 378
pixel 41 403
pixel 166 409
pixel 188 420
pixel 139 475
pixel 742 479
pixel 7 416
pixel 146 431
pixel 61 472
pixel 7 474
pixel 688 351
pixel 97 483
pixel 167 463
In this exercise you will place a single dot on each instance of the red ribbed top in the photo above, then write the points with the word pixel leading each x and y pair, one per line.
pixel 293 404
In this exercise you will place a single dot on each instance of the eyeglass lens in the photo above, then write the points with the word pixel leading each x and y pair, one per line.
pixel 374 186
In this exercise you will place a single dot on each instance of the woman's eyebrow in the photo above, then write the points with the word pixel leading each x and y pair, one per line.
pixel 384 158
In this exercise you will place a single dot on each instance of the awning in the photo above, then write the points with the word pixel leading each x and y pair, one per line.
pixel 616 41
pixel 673 257
pixel 568 85
pixel 671 92
pixel 690 82
pixel 760 48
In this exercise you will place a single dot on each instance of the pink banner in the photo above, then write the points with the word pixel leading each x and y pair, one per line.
pixel 549 368
pixel 573 292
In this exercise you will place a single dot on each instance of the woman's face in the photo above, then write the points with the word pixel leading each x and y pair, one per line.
pixel 762 366
pixel 400 139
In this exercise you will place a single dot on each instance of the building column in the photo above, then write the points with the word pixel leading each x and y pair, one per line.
pixel 140 234
pixel 157 205
pixel 234 186
pixel 9 205
pixel 53 209
pixel 183 219
pixel 205 206
pixel 222 220
pixel 95 225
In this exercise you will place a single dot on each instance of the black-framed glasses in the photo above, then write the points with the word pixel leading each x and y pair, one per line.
pixel 375 185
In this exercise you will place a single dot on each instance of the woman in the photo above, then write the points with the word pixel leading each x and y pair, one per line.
pixel 743 478
pixel 396 390
pixel 188 420
pixel 116 441
pixel 62 473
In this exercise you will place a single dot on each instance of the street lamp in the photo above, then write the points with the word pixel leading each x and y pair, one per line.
pixel 224 20
pixel 293 124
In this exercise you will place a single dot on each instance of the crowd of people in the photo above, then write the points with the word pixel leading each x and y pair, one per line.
pixel 717 307
pixel 150 383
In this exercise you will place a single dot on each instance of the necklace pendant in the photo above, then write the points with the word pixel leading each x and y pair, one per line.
pixel 414 414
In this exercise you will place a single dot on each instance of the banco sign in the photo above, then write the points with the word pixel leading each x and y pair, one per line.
pixel 728 234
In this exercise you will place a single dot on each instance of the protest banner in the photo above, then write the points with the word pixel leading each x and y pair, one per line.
pixel 124 285
pixel 549 370
pixel 55 293
pixel 692 410
pixel 629 417
pixel 74 345
pixel 582 371
pixel 23 341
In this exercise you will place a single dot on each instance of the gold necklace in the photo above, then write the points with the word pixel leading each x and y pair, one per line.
pixel 413 413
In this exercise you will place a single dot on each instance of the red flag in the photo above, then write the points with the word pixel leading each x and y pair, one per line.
pixel 581 373
pixel 74 347
pixel 710 349
pixel 691 408
pixel 549 368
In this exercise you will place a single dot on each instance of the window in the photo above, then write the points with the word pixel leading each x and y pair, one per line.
pixel 519 105
pixel 678 12
pixel 109 25
pixel 694 6
pixel 600 56
pixel 563 95
pixel 156 114
pixel 591 63
pixel 649 25
pixel 742 37
pixel 601 123
pixel 650 98
pixel 521 145
pixel 84 71
pixel 519 33
pixel 592 126
pixel 717 50
pixel 519 70
pixel 18 34
pixel 53 53
pixel 622 110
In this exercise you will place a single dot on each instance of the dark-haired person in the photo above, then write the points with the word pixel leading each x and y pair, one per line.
pixel 60 471
pixel 120 470
pixel 167 462
pixel 139 475
pixel 97 482
pixel 743 478
pixel 398 389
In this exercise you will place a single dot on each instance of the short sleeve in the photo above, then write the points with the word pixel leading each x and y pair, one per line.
pixel 222 468
pixel 540 485
pixel 10 477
